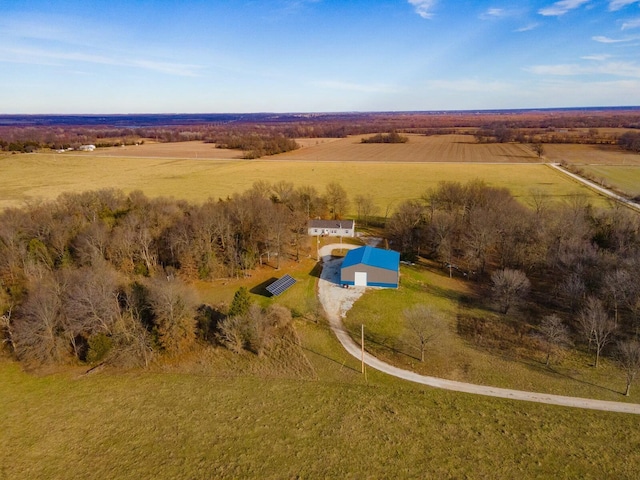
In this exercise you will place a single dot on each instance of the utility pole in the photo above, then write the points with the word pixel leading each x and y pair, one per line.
pixel 362 346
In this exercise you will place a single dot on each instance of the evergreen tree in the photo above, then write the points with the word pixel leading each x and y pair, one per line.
pixel 241 302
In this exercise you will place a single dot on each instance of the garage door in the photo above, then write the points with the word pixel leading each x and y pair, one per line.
pixel 360 279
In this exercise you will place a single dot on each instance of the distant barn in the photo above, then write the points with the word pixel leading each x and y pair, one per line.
pixel 371 267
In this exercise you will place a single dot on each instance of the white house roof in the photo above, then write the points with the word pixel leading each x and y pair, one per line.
pixel 331 223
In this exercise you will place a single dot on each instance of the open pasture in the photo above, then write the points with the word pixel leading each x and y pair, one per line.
pixel 29 177
pixel 163 425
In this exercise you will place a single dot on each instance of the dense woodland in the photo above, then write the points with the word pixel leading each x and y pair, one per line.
pixel 102 269
pixel 104 275
pixel 568 260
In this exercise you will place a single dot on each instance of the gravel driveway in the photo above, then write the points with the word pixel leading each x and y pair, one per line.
pixel 337 301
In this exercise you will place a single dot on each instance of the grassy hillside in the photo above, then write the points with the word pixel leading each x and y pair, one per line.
pixel 163 425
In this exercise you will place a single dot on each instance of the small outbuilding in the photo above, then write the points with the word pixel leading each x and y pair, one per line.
pixel 371 267
pixel 332 228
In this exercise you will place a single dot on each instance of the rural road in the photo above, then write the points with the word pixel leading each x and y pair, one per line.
pixel 596 187
pixel 337 301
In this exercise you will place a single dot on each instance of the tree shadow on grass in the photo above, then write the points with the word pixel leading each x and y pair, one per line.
pixel 384 345
pixel 541 367
pixel 342 364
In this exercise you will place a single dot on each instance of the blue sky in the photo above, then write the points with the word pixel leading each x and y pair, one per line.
pixel 153 56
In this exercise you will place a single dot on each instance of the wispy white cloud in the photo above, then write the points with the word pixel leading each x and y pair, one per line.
pixel 57 58
pixel 629 24
pixel 620 4
pixel 618 69
pixel 423 7
pixel 493 13
pixel 528 27
pixel 355 87
pixel 603 39
pixel 55 28
pixel 597 58
pixel 562 7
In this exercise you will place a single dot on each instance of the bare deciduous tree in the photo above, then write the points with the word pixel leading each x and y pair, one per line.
pixel 38 335
pixel 232 333
pixel 629 359
pixel 365 208
pixel 597 327
pixel 174 306
pixel 509 287
pixel 538 149
pixel 336 199
pixel 618 286
pixel 555 334
pixel 406 226
pixel 424 324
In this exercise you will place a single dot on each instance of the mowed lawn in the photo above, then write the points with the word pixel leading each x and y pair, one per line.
pixel 30 177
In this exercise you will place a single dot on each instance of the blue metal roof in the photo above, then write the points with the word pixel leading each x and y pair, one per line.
pixel 375 257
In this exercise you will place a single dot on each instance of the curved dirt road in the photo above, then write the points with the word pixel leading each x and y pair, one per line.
pixel 337 301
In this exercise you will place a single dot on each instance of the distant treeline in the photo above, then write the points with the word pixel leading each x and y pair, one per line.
pixel 271 129
pixel 500 133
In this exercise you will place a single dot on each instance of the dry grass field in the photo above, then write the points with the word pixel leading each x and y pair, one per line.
pixel 192 170
pixel 590 155
pixel 152 149
pixel 624 179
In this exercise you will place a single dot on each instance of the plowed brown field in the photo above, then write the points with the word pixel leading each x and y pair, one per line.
pixel 420 148
pixel 590 155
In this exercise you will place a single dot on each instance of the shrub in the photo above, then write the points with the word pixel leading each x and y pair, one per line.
pixel 99 346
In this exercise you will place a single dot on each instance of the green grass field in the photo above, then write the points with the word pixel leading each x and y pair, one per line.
pixel 167 425
pixel 503 362
pixel 622 178
pixel 44 176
